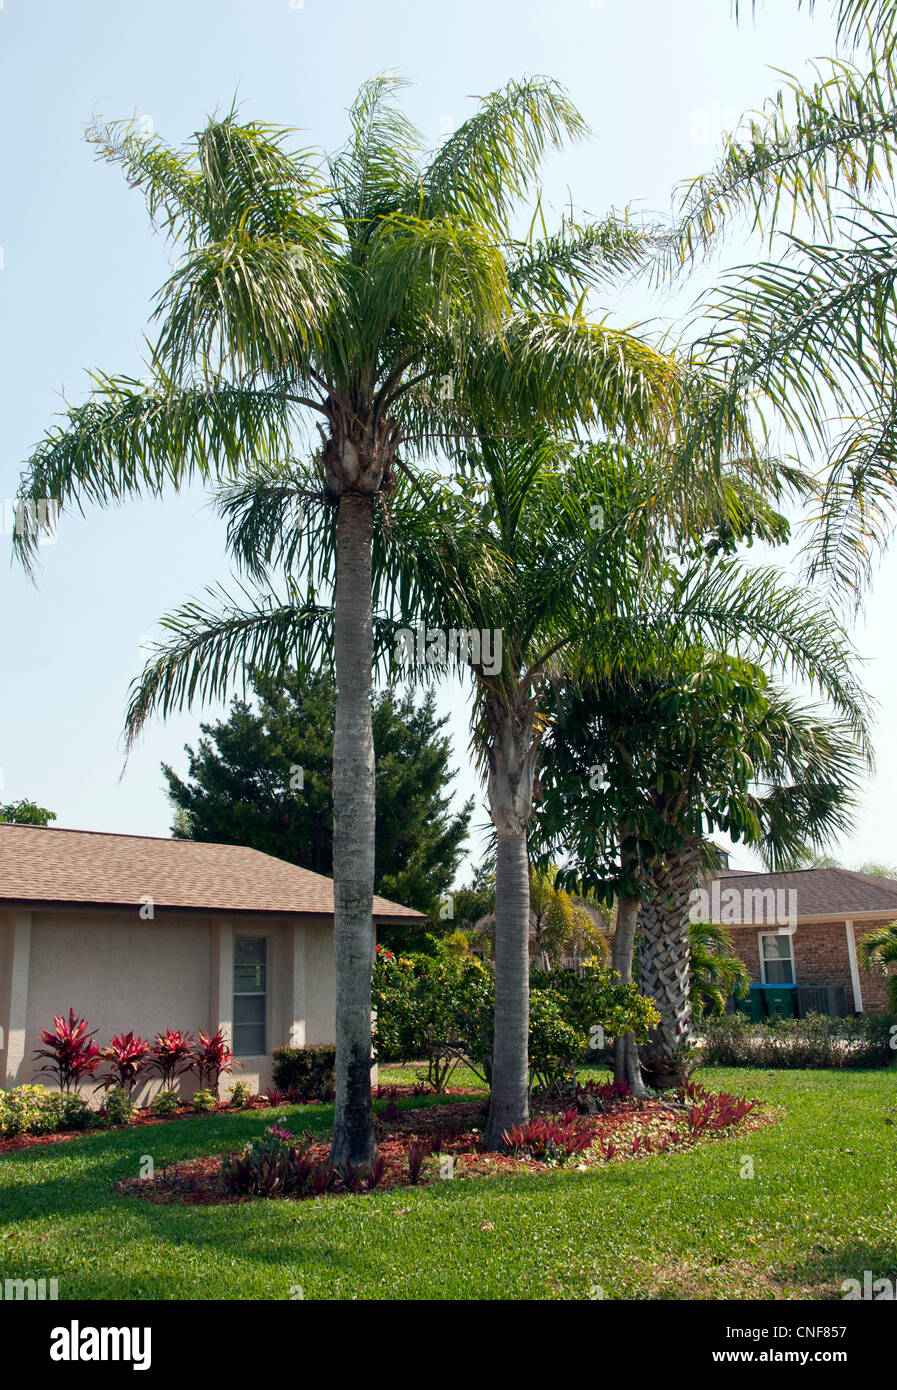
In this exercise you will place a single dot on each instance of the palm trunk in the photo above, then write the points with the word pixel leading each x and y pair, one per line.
pixel 666 967
pixel 353 834
pixel 626 1058
pixel 512 757
pixel 510 1049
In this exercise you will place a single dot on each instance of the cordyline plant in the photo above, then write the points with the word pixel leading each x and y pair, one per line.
pixel 382 295
pixel 72 1055
pixel 126 1057
pixel 171 1055
pixel 211 1059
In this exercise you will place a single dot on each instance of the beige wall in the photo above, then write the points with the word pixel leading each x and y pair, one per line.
pixel 122 973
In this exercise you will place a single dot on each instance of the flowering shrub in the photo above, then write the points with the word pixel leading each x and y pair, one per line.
pixel 72 1056
pixel 277 1165
pixel 240 1094
pixel 203 1101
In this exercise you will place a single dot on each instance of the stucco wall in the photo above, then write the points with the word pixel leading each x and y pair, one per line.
pixel 122 973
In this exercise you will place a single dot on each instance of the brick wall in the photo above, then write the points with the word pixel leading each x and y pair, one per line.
pixel 820 958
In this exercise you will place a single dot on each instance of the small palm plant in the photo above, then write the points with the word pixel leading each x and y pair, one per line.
pixel 877 952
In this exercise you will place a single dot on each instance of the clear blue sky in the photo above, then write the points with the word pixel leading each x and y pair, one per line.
pixel 657 80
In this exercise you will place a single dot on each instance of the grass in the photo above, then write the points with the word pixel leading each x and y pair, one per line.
pixel 820 1207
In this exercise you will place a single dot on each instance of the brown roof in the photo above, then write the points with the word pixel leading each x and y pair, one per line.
pixel 836 893
pixel 42 865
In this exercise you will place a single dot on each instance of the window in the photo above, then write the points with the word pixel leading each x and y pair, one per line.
pixel 776 959
pixel 250 995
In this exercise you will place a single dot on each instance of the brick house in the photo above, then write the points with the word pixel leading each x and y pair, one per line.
pixel 801 930
pixel 141 933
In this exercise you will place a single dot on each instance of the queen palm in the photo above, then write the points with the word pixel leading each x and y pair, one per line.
pixel 382 295
pixel 516 547
pixel 811 333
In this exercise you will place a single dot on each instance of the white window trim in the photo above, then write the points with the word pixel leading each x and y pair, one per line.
pixel 763 979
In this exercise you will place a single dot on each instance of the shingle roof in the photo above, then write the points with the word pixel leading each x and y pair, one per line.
pixel 820 892
pixel 41 864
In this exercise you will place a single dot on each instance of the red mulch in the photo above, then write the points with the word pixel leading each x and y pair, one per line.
pixel 454 1130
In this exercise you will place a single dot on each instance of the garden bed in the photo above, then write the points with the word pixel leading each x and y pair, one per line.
pixel 419 1147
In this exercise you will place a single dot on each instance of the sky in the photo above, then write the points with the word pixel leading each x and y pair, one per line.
pixel 658 82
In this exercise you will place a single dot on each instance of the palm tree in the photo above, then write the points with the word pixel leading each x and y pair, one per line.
pixel 380 294
pixel 702 742
pixel 812 333
pixel 877 952
pixel 716 973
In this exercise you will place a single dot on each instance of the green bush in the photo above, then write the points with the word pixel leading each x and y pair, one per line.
pixel 440 1007
pixel 29 1110
pixel 203 1101
pixel 813 1041
pixel 165 1103
pixel 240 1094
pixel 75 1113
pixel 118 1108
pixel 307 1072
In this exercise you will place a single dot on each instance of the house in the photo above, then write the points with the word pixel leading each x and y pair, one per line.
pixel 798 932
pixel 141 933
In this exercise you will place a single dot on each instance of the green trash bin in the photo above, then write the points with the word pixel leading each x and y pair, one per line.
pixel 780 1001
pixel 755 1004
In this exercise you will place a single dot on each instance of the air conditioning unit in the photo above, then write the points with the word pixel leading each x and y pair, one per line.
pixel 822 999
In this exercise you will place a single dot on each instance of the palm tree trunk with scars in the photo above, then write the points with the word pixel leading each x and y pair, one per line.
pixel 353 832
pixel 512 758
pixel 665 967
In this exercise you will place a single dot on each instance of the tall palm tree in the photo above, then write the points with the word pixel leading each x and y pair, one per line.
pixel 381 295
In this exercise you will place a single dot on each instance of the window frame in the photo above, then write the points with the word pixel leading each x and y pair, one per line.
pixel 251 994
pixel 780 984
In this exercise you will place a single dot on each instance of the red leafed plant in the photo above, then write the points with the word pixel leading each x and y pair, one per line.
pixel 72 1056
pixel 550 1137
pixel 418 1150
pixel 211 1059
pixel 171 1055
pixel 126 1057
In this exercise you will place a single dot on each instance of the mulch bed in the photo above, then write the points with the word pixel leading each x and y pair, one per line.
pixel 628 1130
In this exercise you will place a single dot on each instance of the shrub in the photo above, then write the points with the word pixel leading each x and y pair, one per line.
pixel 203 1101
pixel 29 1110
pixel 277 1165
pixel 211 1059
pixel 171 1055
pixel 814 1041
pixel 165 1103
pixel 75 1113
pixel 72 1056
pixel 441 1007
pixel 127 1058
pixel 240 1094
pixel 550 1137
pixel 118 1108
pixel 306 1072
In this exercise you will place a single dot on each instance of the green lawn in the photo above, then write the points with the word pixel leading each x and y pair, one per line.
pixel 820 1207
